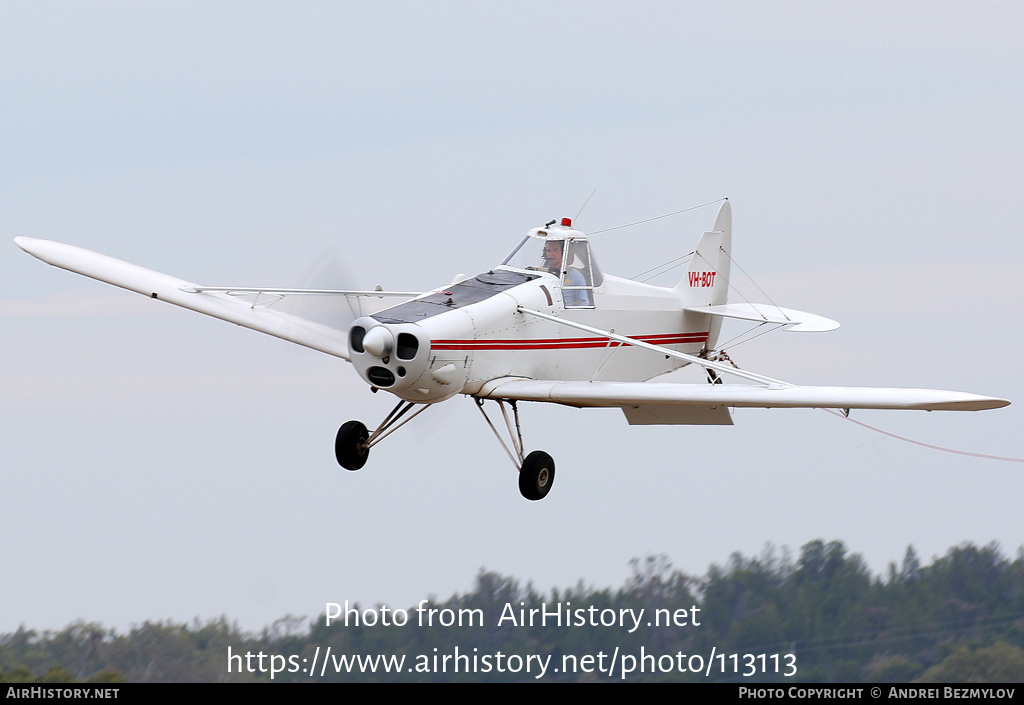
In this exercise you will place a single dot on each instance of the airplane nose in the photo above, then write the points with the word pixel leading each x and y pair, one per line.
pixel 379 342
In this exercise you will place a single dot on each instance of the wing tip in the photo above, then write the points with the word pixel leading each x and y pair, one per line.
pixel 966 401
pixel 25 242
pixel 994 403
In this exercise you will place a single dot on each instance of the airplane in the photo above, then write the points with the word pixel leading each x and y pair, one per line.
pixel 545 325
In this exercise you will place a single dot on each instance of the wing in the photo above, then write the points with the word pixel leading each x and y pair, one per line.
pixel 670 403
pixel 224 303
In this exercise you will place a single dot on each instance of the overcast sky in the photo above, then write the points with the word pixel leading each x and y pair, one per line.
pixel 159 464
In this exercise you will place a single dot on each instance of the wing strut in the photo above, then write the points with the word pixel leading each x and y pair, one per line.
pixel 707 364
pixel 195 289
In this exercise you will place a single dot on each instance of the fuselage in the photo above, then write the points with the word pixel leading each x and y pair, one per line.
pixel 453 340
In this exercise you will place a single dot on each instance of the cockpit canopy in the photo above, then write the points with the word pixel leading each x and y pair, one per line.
pixel 564 252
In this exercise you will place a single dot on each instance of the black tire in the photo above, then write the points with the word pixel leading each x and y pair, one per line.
pixel 536 475
pixel 350 445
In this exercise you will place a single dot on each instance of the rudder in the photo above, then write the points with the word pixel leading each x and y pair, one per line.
pixel 706 283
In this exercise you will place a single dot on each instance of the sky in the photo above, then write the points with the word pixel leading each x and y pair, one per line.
pixel 158 464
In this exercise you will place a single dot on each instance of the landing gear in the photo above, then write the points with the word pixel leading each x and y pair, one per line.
pixel 536 470
pixel 353 442
pixel 536 475
pixel 716 356
pixel 350 445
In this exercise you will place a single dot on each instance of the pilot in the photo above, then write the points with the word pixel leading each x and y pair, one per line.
pixel 553 252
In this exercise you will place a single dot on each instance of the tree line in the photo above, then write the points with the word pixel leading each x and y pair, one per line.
pixel 958 619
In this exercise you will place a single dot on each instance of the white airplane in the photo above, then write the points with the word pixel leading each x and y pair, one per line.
pixel 545 325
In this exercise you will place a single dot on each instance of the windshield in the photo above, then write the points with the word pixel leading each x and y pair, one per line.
pixel 528 254
pixel 564 253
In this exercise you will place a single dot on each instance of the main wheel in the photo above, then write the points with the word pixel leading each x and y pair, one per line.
pixel 536 475
pixel 350 445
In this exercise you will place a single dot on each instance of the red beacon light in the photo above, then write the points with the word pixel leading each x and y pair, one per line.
pixel 566 222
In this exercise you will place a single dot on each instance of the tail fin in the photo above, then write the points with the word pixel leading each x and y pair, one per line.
pixel 707 281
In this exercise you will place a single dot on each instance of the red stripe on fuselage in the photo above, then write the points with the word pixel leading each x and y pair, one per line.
pixel 564 343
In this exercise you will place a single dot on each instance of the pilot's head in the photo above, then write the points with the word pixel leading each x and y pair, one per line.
pixel 553 254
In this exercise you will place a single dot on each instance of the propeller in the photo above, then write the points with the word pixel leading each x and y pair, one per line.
pixel 326 272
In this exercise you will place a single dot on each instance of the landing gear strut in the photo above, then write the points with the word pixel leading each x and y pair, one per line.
pixel 536 470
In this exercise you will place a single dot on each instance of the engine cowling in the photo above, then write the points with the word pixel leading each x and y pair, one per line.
pixel 396 357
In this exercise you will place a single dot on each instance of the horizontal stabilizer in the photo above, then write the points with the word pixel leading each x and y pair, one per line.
pixel 798 321
pixel 734 395
pixel 185 294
